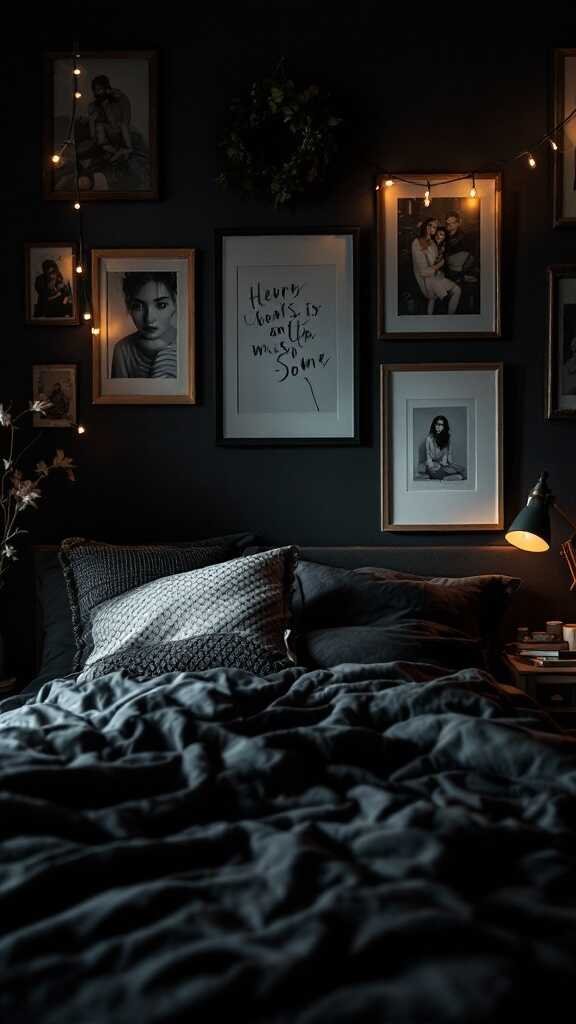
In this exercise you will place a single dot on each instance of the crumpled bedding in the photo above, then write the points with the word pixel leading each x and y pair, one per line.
pixel 367 843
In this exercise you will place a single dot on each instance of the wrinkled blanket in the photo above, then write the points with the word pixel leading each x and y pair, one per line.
pixel 366 843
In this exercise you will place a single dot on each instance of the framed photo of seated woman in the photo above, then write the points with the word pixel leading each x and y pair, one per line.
pixel 50 284
pixel 143 335
pixel 441 464
pixel 439 256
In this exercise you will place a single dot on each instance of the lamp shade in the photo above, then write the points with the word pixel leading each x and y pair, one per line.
pixel 530 530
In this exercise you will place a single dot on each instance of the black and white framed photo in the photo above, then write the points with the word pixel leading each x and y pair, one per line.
pixel 441 458
pixel 115 126
pixel 287 316
pixel 50 283
pixel 564 90
pixel 439 257
pixel 54 385
pixel 561 361
pixel 143 340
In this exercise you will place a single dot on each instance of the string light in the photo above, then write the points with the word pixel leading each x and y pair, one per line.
pixel 77 70
pixel 377 188
pixel 77 95
pixel 553 144
pixel 79 268
pixel 531 161
pixel 473 193
pixel 87 315
pixel 76 205
pixel 95 330
pixel 389 182
pixel 56 158
pixel 81 429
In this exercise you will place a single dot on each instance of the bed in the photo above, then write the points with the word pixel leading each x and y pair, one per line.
pixel 386 840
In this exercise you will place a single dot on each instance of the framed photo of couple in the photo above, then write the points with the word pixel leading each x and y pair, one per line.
pixel 441 458
pixel 439 265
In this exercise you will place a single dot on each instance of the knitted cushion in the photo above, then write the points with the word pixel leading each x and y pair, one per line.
pixel 218 650
pixel 96 572
pixel 247 595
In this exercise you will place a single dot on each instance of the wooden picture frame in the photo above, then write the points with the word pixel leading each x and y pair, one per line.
pixel 50 284
pixel 156 363
pixel 561 348
pixel 457 466
pixel 116 126
pixel 449 289
pixel 55 383
pixel 564 102
pixel 287 329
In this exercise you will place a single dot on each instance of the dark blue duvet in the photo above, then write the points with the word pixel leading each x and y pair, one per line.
pixel 369 843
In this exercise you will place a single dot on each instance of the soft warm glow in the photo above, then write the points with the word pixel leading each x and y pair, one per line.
pixel 81 429
pixel 79 269
pixel 531 160
pixel 473 193
pixel 76 71
pixel 76 206
pixel 553 144
pixel 527 541
pixel 77 95
pixel 427 201
pixel 389 183
pixel 87 316
pixel 95 330
pixel 427 194
pixel 377 188
pixel 56 158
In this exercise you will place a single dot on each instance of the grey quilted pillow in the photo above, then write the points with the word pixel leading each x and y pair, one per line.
pixel 247 596
pixel 218 650
pixel 96 572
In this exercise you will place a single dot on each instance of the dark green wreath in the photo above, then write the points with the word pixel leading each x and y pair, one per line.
pixel 280 140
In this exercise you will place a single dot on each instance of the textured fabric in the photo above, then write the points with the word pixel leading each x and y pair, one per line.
pixel 246 595
pixel 96 572
pixel 217 650
pixel 366 645
pixel 355 846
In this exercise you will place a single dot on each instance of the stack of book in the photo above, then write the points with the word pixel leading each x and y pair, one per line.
pixel 549 653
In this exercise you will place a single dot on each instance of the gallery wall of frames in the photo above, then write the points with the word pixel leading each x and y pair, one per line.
pixel 368 364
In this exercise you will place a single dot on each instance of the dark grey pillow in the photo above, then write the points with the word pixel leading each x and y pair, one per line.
pixel 366 645
pixel 95 571
pixel 194 654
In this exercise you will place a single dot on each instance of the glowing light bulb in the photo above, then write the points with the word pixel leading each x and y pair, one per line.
pixel 76 71
pixel 389 183
pixel 95 330
pixel 76 206
pixel 427 194
pixel 56 158
pixel 77 95
pixel 473 193
pixel 377 188
pixel 553 144
pixel 79 268
pixel 87 316
pixel 81 429
pixel 531 161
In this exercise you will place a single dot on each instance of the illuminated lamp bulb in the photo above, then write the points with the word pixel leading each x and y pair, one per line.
pixel 553 144
pixel 77 95
pixel 76 206
pixel 377 188
pixel 56 158
pixel 79 268
pixel 531 161
pixel 81 429
pixel 76 71
pixel 95 330
pixel 473 193
pixel 87 316
pixel 427 200
pixel 389 183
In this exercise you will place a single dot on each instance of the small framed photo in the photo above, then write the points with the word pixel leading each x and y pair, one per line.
pixel 441 463
pixel 55 383
pixel 439 264
pixel 561 361
pixel 114 130
pixel 564 91
pixel 51 292
pixel 144 313
pixel 287 315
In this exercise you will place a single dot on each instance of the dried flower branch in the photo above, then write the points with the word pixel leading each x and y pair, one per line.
pixel 17 491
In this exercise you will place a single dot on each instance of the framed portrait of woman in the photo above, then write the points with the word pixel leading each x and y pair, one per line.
pixel 438 256
pixel 564 113
pixel 561 356
pixel 143 335
pixel 50 284
pixel 114 126
pixel 441 453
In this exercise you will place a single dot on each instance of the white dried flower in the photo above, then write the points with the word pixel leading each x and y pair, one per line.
pixel 40 406
pixel 9 551
pixel 25 493
pixel 5 417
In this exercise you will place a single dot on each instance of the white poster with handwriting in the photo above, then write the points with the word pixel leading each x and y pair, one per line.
pixel 288 337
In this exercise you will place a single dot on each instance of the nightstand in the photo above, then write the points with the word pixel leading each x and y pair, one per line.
pixel 553 688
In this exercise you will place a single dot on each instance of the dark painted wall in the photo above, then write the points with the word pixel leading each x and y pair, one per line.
pixel 411 99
